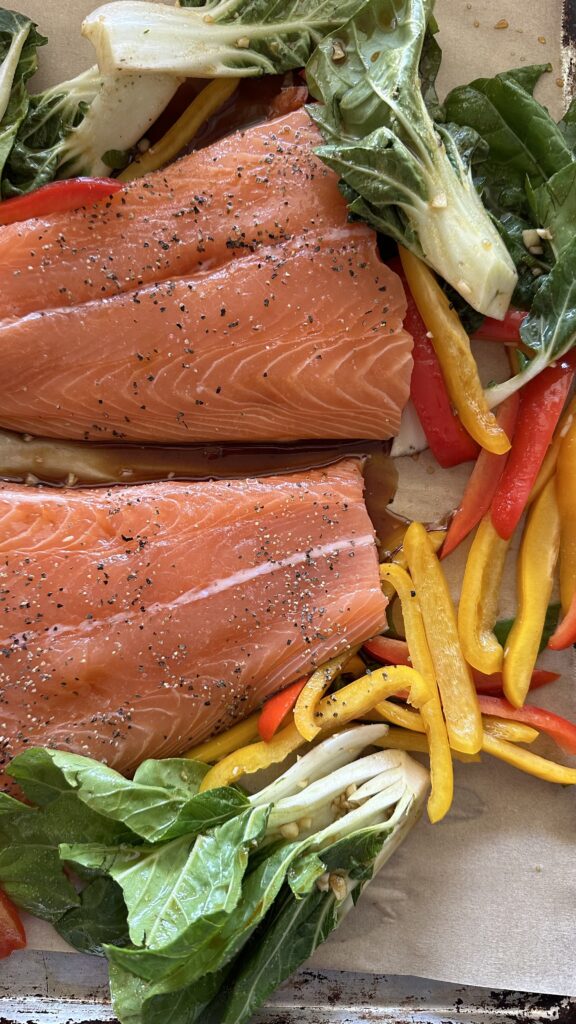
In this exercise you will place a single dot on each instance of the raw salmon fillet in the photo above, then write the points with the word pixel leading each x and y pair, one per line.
pixel 137 621
pixel 253 188
pixel 292 342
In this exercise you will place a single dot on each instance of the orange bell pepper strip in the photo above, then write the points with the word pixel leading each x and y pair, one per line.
pixel 478 607
pixel 565 633
pixel 455 682
pixel 277 707
pixel 335 710
pixel 452 346
pixel 535 576
pixel 482 483
pixel 12 933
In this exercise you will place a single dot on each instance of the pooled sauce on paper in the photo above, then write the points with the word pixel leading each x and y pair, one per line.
pixel 80 464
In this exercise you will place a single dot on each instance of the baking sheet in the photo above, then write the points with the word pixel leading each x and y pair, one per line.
pixel 487 897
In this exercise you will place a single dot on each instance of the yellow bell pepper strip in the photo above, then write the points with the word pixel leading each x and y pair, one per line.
pixel 452 346
pixel 548 467
pixel 397 714
pixel 399 558
pixel 404 739
pixel 441 772
pixel 457 690
pixel 203 106
pixel 529 762
pixel 308 700
pixel 219 746
pixel 478 607
pixel 566 496
pixel 335 710
pixel 253 758
pixel 514 732
pixel 535 576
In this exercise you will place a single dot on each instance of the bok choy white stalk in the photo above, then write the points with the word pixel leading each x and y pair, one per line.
pixel 401 172
pixel 203 902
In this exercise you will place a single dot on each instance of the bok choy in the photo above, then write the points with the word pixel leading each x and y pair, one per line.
pixel 203 902
pixel 404 174
pixel 89 125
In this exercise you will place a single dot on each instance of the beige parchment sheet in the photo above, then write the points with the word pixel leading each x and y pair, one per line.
pixel 488 897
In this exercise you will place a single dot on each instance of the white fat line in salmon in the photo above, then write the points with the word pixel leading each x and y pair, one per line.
pixel 236 579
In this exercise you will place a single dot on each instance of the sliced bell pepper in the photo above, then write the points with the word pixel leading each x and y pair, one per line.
pixel 447 439
pixel 541 403
pixel 565 633
pixel 226 742
pixel 502 729
pixel 561 730
pixel 492 686
pixel 548 467
pixel 12 934
pixel 57 197
pixel 452 346
pixel 535 570
pixel 479 597
pixel 181 133
pixel 395 652
pixel 482 484
pixel 506 330
pixel 455 681
pixel 566 495
pixel 335 710
pixel 277 707
pixel 310 695
pixel 441 771
pixel 529 762
pixel 404 739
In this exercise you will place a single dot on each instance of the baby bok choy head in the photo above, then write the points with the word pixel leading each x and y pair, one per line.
pixel 401 172
pixel 203 902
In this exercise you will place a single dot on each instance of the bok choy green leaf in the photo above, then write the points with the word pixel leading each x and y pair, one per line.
pixel 404 174
pixel 526 170
pixel 201 922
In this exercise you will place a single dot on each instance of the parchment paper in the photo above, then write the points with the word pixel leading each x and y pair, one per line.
pixel 488 896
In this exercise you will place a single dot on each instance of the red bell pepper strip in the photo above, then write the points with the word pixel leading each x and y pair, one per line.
pixel 559 729
pixel 506 330
pixel 395 652
pixel 565 633
pixel 57 197
pixel 482 484
pixel 541 402
pixel 449 442
pixel 12 934
pixel 493 686
pixel 275 710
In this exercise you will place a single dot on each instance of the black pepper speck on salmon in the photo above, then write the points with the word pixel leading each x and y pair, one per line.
pixel 136 621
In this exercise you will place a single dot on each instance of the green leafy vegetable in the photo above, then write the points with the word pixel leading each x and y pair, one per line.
pixel 161 802
pixel 19 41
pixel 213 39
pixel 202 926
pixel 526 170
pixel 503 628
pixel 401 172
